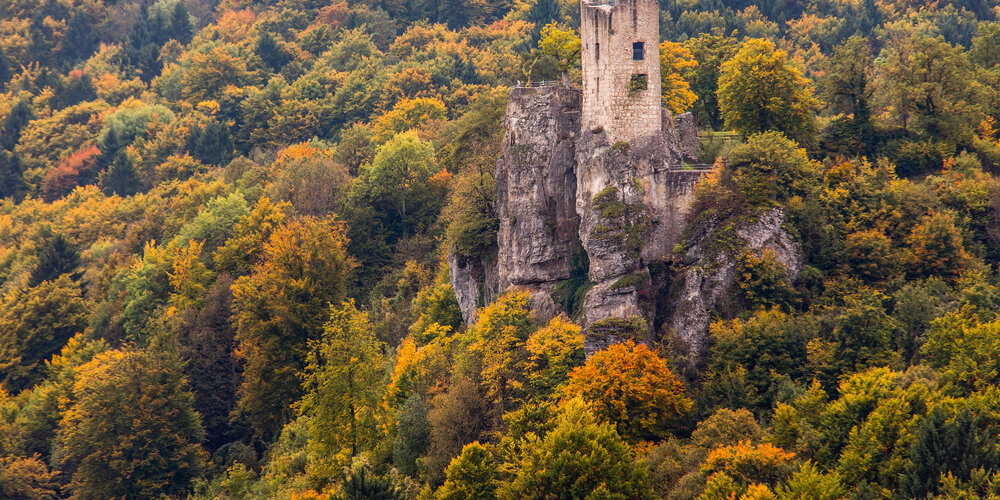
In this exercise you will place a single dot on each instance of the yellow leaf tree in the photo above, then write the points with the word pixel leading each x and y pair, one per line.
pixel 563 45
pixel 675 61
pixel 760 90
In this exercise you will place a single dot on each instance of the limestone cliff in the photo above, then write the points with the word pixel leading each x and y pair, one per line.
pixel 710 271
pixel 537 190
pixel 474 280
pixel 633 202
pixel 579 214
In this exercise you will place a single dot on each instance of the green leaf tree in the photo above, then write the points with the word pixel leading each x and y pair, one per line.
pixel 578 458
pixel 130 430
pixel 343 383
pixel 471 475
pixel 760 90
pixel 399 177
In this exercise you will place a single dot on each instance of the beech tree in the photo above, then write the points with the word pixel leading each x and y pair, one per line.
pixel 760 90
pixel 631 387
pixel 130 430
pixel 343 380
pixel 400 177
pixel 563 46
pixel 579 458
pixel 676 62
pixel 279 308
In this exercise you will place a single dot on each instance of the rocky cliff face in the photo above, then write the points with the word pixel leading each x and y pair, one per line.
pixel 633 201
pixel 474 280
pixel 537 192
pixel 563 192
pixel 711 271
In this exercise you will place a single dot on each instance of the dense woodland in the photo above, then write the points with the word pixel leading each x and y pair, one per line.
pixel 224 228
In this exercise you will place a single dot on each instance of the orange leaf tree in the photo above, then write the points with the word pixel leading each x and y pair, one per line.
pixel 631 386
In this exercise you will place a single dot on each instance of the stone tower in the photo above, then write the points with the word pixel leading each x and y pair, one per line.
pixel 621 67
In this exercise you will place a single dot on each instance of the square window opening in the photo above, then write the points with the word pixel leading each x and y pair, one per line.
pixel 639 51
pixel 637 84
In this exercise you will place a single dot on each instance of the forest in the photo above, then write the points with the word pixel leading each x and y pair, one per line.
pixel 224 230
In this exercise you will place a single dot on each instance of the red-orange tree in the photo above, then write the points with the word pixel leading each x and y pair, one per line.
pixel 632 387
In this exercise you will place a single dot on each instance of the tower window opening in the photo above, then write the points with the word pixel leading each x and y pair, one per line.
pixel 639 51
pixel 637 84
pixel 597 51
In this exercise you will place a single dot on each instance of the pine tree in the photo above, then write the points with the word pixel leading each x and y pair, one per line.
pixel 11 175
pixel 58 256
pixel 14 123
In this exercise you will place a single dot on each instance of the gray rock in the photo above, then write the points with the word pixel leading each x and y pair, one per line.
pixel 537 191
pixel 536 183
pixel 713 270
pixel 559 188
pixel 474 281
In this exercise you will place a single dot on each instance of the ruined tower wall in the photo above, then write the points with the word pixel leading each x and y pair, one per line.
pixel 608 31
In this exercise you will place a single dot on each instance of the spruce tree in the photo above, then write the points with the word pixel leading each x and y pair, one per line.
pixel 5 69
pixel 79 87
pixel 212 145
pixel 267 50
pixel 11 175
pixel 180 24
pixel 81 41
pixel 944 445
pixel 56 257
pixel 541 13
pixel 120 178
pixel 14 123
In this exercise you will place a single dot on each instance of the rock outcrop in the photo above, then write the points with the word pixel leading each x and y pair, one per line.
pixel 712 270
pixel 633 201
pixel 536 201
pixel 566 196
pixel 474 281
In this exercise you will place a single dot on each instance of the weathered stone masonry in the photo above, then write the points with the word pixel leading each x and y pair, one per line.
pixel 620 54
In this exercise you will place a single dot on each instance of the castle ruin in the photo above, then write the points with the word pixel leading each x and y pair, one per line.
pixel 590 193
pixel 621 67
